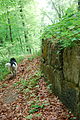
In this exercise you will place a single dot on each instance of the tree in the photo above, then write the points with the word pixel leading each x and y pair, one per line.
pixel 78 5
pixel 9 24
pixel 22 17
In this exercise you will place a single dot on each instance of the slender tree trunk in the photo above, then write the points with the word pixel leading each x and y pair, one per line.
pixel 1 41
pixel 7 27
pixel 20 43
pixel 78 5
pixel 6 37
pixel 23 23
pixel 10 29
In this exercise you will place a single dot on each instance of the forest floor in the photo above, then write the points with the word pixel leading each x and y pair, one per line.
pixel 27 96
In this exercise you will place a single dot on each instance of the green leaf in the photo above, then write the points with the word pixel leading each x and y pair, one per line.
pixel 29 117
pixel 73 39
pixel 71 27
pixel 33 110
pixel 38 115
pixel 37 106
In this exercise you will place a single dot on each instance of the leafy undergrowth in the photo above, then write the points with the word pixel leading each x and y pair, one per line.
pixel 66 32
pixel 27 96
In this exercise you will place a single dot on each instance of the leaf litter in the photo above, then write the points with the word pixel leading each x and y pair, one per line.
pixel 27 97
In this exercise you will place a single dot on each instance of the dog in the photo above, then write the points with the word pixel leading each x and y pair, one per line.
pixel 12 66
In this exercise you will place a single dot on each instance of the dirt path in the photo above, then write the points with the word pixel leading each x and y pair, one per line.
pixel 28 97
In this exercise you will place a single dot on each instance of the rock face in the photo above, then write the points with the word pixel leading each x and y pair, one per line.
pixel 62 69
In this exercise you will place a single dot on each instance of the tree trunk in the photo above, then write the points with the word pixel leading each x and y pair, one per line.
pixel 10 29
pixel 7 36
pixel 78 5
pixel 23 23
pixel 20 43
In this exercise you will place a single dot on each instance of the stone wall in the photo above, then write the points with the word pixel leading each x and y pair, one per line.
pixel 62 69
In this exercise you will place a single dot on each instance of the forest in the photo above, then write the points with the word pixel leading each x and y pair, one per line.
pixel 24 26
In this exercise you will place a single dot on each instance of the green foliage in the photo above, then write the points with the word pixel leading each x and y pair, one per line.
pixel 29 117
pixel 35 108
pixel 38 115
pixel 73 118
pixel 33 80
pixel 3 85
pixel 66 32
pixel 3 70
pixel 38 74
pixel 26 85
pixel 26 90
pixel 17 37
pixel 36 54
pixel 22 85
pixel 13 25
